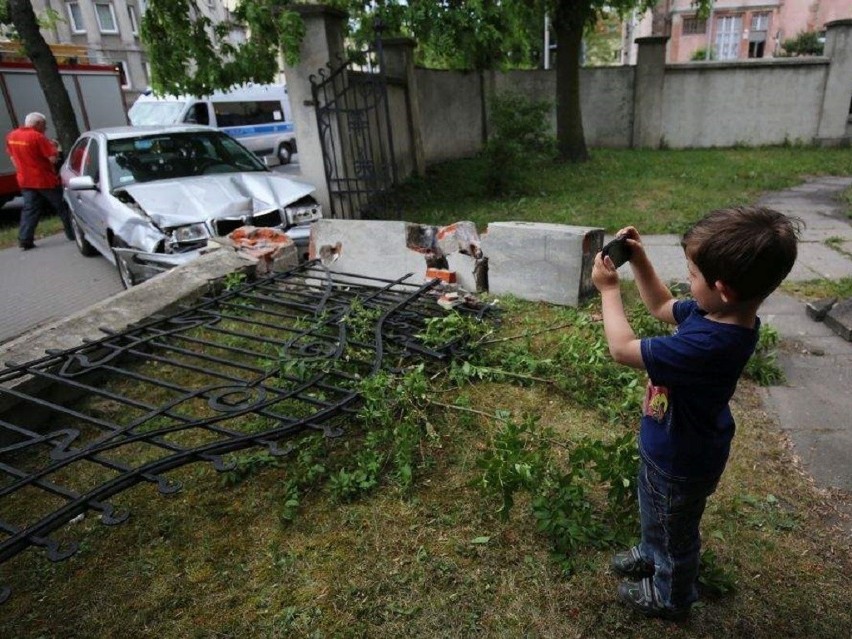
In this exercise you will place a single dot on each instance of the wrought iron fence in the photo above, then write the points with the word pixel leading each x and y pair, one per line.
pixel 254 366
pixel 353 119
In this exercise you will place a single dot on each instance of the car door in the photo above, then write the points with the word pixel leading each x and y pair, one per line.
pixel 92 206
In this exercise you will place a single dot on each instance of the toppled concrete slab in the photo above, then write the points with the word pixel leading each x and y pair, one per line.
pixel 817 310
pixel 839 319
pixel 541 262
pixel 379 248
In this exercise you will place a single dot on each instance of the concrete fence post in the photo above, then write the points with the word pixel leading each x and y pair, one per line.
pixel 322 44
pixel 837 98
pixel 399 65
pixel 648 92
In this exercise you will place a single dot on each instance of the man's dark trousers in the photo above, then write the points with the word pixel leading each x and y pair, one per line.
pixel 35 201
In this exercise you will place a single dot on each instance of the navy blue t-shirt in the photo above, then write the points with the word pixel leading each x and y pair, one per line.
pixel 687 424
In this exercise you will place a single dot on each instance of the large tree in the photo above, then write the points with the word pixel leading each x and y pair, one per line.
pixel 190 55
pixel 22 16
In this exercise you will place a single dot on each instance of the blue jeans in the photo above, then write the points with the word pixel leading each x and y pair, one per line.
pixel 35 201
pixel 670 512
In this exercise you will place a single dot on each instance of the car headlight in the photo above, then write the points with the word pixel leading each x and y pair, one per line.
pixel 303 211
pixel 190 233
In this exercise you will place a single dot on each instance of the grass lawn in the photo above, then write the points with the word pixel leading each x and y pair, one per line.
pixel 656 191
pixel 47 225
pixel 433 557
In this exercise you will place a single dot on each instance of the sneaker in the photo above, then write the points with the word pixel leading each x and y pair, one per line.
pixel 26 246
pixel 631 565
pixel 641 596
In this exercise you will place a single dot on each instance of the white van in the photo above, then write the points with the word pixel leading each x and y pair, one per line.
pixel 257 115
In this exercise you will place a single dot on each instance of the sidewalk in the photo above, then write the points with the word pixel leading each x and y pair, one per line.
pixel 814 407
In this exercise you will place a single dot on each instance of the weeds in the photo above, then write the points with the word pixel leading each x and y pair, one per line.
pixel 763 367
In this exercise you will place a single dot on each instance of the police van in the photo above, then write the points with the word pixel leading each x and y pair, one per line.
pixel 257 115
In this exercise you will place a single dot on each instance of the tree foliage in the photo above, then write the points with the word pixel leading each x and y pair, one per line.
pixel 190 55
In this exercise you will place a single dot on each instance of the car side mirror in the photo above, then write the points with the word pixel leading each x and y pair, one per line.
pixel 270 161
pixel 82 183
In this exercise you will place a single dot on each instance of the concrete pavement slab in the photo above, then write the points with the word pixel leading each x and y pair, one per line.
pixel 71 283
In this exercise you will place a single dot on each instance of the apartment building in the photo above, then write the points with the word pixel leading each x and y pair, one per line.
pixel 108 31
pixel 735 29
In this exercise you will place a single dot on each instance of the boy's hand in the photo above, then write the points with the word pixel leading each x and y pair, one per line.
pixel 634 241
pixel 604 273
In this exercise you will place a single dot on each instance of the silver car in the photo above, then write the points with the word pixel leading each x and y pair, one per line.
pixel 149 198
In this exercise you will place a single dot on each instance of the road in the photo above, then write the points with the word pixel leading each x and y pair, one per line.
pixel 54 281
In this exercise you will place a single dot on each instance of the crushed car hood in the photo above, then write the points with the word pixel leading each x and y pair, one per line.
pixel 184 201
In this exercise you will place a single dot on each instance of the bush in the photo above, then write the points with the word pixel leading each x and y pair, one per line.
pixel 700 55
pixel 806 43
pixel 519 132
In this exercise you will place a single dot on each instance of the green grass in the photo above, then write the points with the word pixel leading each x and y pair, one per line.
pixel 656 191
pixel 435 558
pixel 48 225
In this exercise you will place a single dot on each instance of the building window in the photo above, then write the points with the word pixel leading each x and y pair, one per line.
pixel 757 35
pixel 693 25
pixel 121 67
pixel 75 17
pixel 760 22
pixel 729 31
pixel 106 17
pixel 134 23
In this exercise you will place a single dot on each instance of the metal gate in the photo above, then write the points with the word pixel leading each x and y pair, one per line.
pixel 354 124
pixel 256 366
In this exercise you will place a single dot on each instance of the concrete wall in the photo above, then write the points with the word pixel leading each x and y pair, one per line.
pixel 451 113
pixel 751 103
pixel 704 104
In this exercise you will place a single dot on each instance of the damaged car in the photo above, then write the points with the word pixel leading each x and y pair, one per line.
pixel 150 198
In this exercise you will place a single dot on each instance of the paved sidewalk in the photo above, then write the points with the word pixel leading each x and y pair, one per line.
pixel 48 283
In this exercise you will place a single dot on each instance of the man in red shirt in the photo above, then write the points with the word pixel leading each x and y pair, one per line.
pixel 35 157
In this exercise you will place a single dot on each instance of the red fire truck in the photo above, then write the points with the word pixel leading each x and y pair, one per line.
pixel 95 92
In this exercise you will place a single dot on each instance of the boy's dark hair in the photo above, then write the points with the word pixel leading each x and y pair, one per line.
pixel 750 249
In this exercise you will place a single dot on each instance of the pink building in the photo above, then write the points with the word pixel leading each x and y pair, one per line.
pixel 738 29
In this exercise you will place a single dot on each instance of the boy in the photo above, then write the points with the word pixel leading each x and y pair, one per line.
pixel 735 259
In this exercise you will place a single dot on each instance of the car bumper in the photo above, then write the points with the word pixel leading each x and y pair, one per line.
pixel 143 265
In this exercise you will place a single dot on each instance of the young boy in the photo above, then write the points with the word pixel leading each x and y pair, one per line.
pixel 735 259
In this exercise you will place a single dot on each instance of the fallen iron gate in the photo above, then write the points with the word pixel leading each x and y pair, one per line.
pixel 354 124
pixel 254 366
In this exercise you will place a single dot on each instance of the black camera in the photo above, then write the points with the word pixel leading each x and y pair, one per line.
pixel 618 251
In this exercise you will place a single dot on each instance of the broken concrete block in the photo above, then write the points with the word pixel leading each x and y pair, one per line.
pixel 273 249
pixel 378 248
pixel 839 319
pixel 818 309
pixel 541 262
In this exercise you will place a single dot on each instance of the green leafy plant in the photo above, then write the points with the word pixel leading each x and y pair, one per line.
pixel 516 459
pixel 805 43
pixel 519 131
pixel 713 576
pixel 763 366
pixel 453 327
pixel 233 280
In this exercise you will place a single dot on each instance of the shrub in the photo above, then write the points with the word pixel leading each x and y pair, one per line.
pixel 806 43
pixel 519 132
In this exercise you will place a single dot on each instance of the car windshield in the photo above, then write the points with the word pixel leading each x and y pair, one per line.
pixel 167 156
pixel 160 112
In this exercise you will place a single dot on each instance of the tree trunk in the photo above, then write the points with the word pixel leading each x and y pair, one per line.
pixel 47 71
pixel 570 139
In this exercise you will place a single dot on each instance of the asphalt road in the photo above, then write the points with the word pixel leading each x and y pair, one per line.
pixel 53 280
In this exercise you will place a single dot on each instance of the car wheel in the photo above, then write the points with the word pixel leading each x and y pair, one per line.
pixel 285 153
pixel 80 239
pixel 124 274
